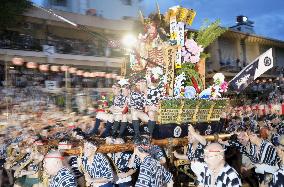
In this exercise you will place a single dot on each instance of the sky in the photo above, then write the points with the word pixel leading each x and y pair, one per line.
pixel 268 15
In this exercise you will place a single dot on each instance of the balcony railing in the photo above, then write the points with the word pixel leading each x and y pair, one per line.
pixel 62 46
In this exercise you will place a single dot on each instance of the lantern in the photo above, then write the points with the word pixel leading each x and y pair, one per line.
pixel 18 61
pixel 44 67
pixel 101 74
pixel 79 72
pixel 54 68
pixel 72 70
pixel 86 74
pixel 64 68
pixel 108 76
pixel 93 74
pixel 31 65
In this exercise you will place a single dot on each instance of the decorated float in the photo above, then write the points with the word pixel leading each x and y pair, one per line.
pixel 171 57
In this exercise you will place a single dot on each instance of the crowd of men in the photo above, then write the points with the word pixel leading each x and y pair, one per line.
pixel 253 155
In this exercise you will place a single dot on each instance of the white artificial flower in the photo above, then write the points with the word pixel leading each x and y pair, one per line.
pixel 123 82
pixel 157 71
pixel 220 77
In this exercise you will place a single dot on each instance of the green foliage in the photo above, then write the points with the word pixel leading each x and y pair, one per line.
pixel 193 103
pixel 209 32
pixel 189 70
pixel 11 10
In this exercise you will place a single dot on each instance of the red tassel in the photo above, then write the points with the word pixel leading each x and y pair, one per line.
pixel 195 85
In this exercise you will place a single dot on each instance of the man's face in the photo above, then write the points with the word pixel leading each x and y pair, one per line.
pixel 50 165
pixel 151 29
pixel 125 91
pixel 213 159
pixel 253 138
pixel 115 90
pixel 89 149
pixel 243 138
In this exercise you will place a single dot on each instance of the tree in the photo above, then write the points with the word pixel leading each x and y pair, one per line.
pixel 11 10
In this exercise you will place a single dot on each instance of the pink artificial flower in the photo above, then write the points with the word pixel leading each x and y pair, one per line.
pixel 194 59
pixel 224 86
pixel 191 51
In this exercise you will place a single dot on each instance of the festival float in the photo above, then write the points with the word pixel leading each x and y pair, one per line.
pixel 171 57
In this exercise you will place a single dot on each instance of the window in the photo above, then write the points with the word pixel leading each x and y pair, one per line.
pixel 58 2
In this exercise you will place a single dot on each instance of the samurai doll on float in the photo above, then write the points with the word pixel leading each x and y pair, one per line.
pixel 156 82
pixel 108 118
pixel 149 51
pixel 137 103
pixel 126 116
pixel 120 108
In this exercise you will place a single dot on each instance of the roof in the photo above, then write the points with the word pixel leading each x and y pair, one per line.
pixel 253 38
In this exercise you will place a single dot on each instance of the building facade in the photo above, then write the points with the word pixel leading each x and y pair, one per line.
pixel 91 47
pixel 124 9
pixel 238 47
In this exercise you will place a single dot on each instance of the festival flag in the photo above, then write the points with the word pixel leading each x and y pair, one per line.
pixel 252 71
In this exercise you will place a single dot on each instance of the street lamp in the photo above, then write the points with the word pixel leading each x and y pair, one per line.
pixel 129 40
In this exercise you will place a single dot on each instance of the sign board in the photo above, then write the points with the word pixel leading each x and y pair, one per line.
pixel 48 50
pixel 51 85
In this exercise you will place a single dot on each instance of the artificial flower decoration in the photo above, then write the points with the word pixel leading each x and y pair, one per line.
pixel 191 51
pixel 219 78
pixel 205 94
pixel 178 87
pixel 189 92
pixel 157 72
pixel 224 87
pixel 215 91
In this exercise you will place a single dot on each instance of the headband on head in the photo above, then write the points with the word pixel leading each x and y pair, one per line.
pixel 57 157
pixel 214 151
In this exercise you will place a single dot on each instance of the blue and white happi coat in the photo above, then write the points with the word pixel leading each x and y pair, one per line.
pixel 100 167
pixel 64 178
pixel 152 174
pixel 278 178
pixel 227 177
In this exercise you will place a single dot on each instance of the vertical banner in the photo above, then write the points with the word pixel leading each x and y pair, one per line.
pixel 173 28
pixel 170 58
pixel 178 58
pixel 180 43
pixel 180 33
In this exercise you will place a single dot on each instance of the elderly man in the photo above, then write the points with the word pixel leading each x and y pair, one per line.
pixel 61 176
pixel 217 172
pixel 152 173
pixel 137 102
pixel 108 118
